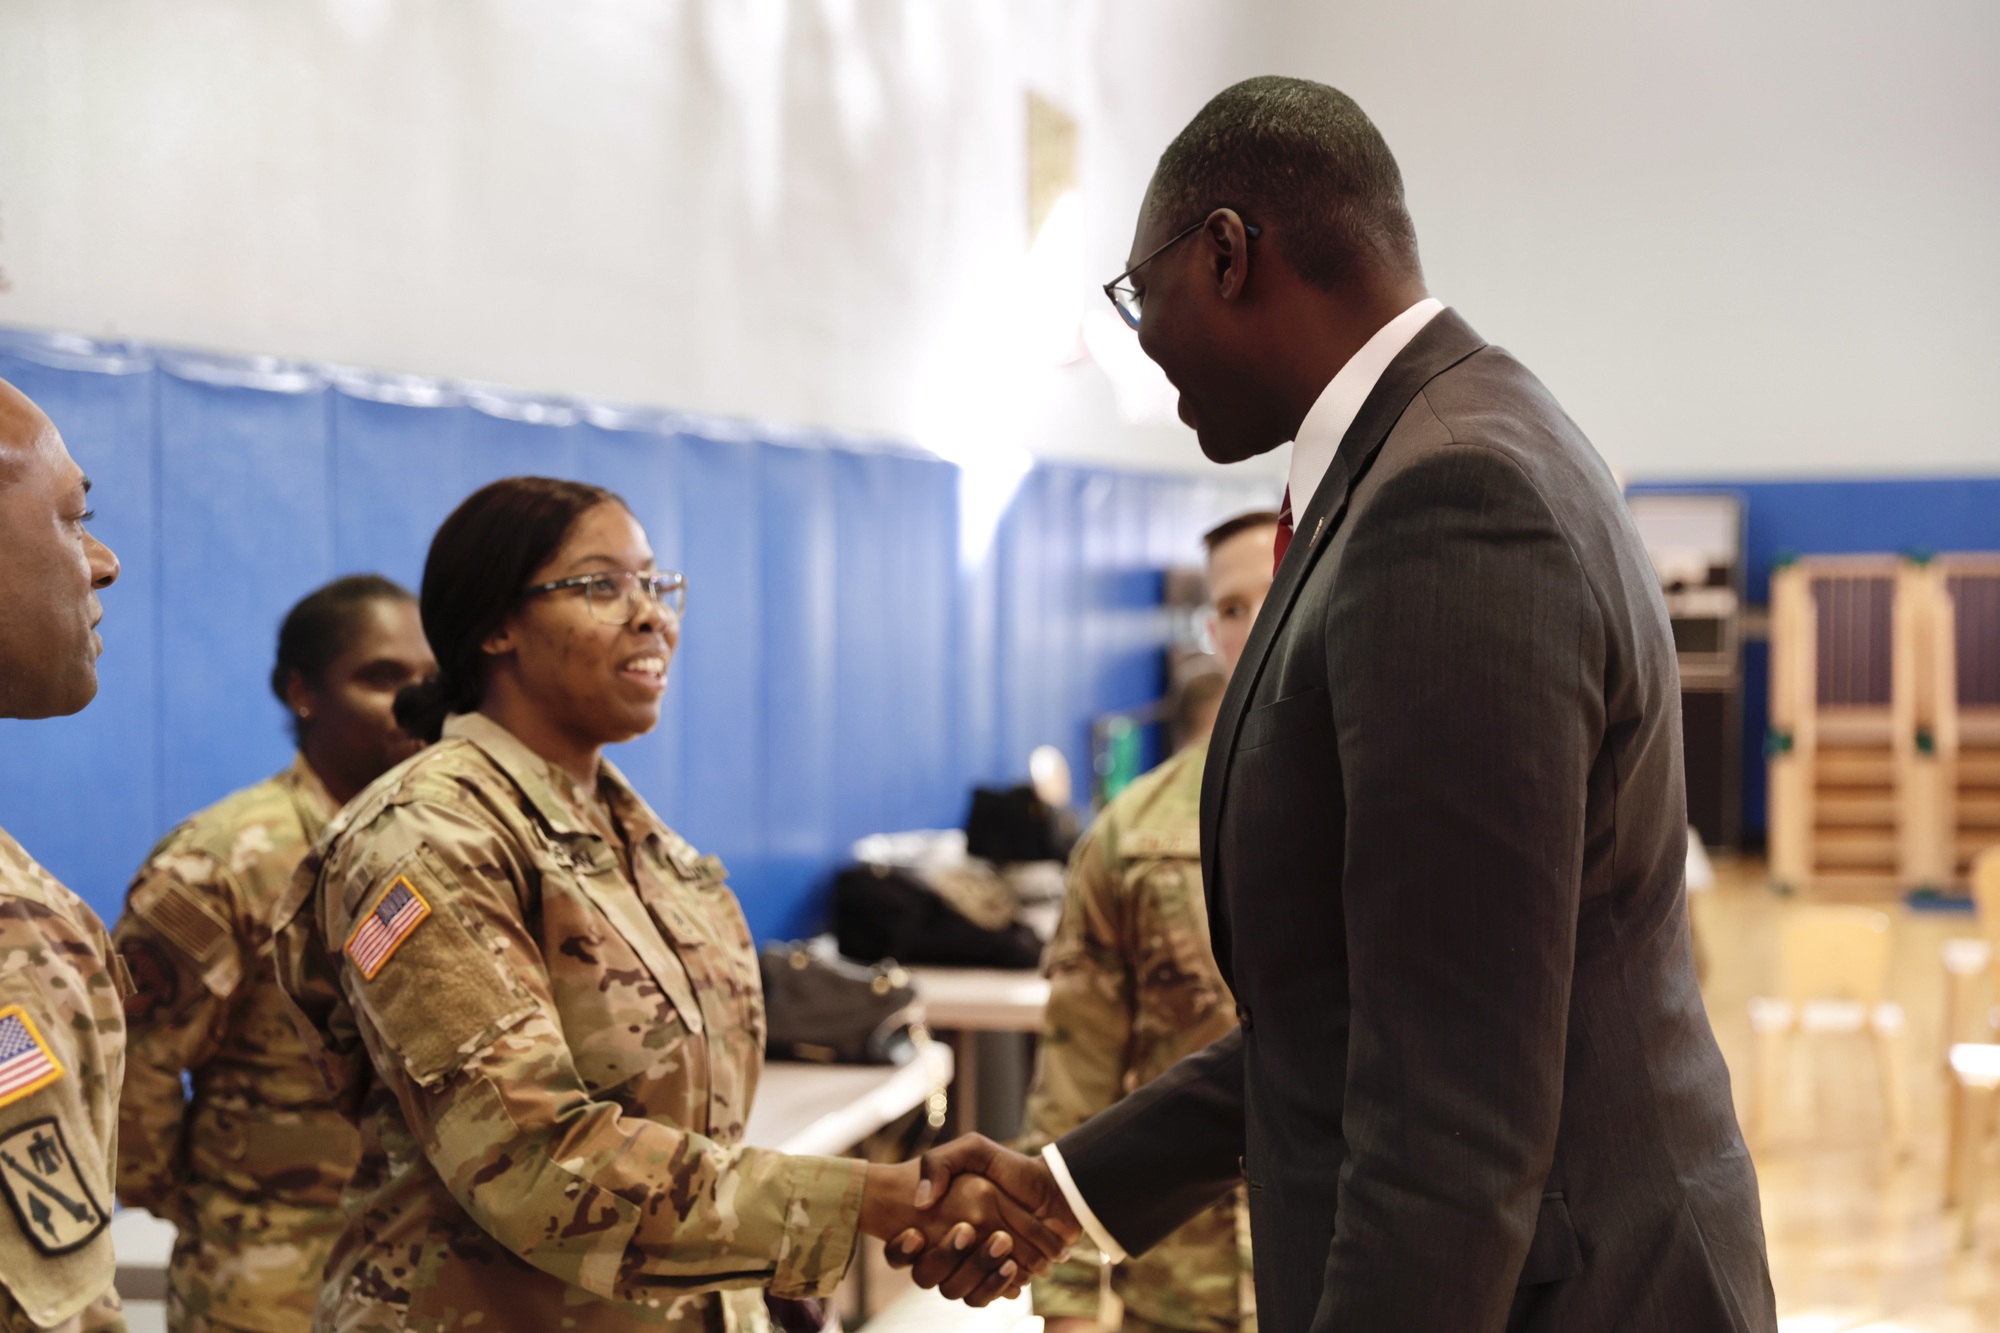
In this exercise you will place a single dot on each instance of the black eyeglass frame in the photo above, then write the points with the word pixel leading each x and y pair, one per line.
pixel 1112 288
pixel 667 588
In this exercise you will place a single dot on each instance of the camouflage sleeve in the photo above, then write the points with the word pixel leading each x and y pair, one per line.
pixel 60 1046
pixel 457 1008
pixel 1086 1041
pixel 178 939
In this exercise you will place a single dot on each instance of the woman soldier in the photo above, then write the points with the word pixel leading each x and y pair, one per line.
pixel 251 1165
pixel 542 1005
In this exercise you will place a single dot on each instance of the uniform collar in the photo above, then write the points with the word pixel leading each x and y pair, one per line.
pixel 554 794
pixel 313 801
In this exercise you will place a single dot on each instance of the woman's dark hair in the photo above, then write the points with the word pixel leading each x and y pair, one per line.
pixel 321 626
pixel 481 558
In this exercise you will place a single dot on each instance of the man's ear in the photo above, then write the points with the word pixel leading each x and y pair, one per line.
pixel 1229 252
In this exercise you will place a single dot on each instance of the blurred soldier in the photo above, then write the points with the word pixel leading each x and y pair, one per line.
pixel 1134 988
pixel 542 1005
pixel 62 1032
pixel 251 1167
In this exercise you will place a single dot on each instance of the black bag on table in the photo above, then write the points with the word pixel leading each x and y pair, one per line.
pixel 889 912
pixel 1012 824
pixel 832 1011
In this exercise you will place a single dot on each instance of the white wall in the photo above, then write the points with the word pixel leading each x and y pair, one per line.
pixel 806 212
pixel 1735 239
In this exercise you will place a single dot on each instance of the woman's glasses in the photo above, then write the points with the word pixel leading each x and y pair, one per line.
pixel 613 596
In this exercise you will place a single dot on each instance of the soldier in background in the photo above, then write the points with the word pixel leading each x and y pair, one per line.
pixel 1134 987
pixel 250 1168
pixel 62 1034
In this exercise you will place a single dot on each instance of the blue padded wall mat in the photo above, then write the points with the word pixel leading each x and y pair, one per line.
pixel 846 669
pixel 245 529
pixel 1896 514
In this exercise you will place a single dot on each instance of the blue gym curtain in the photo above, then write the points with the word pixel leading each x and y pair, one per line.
pixel 843 671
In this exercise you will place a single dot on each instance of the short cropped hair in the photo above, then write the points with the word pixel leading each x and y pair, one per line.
pixel 1229 527
pixel 1303 158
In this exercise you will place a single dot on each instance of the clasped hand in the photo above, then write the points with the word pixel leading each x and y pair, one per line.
pixel 970 1218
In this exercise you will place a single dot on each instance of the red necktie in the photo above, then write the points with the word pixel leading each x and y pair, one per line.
pixel 1284 533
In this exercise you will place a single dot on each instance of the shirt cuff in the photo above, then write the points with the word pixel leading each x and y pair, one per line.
pixel 1106 1243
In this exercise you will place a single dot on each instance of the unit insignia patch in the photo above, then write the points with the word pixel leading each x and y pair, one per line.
pixel 46 1191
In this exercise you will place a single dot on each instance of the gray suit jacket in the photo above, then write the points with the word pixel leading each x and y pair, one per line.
pixel 1443 831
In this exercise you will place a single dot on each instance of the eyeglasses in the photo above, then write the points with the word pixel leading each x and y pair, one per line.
pixel 613 596
pixel 1126 299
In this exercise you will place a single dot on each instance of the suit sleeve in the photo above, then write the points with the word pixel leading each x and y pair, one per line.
pixel 1156 1159
pixel 1465 665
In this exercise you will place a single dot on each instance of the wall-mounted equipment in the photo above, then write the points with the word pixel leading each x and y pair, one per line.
pixel 1696 544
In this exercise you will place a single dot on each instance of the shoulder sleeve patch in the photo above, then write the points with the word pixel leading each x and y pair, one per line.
pixel 455 993
pixel 26 1062
pixel 188 923
pixel 396 912
pixel 38 1173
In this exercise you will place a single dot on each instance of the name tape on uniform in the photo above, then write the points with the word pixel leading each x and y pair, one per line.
pixel 400 910
pixel 26 1062
pixel 39 1175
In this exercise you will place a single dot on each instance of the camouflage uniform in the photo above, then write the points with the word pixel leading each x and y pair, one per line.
pixel 1133 988
pixel 251 1169
pixel 62 1049
pixel 544 1010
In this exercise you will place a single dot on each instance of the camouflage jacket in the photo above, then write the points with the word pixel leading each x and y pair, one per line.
pixel 252 1167
pixel 543 1007
pixel 62 1051
pixel 1133 988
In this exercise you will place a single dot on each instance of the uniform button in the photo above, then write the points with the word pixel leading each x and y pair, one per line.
pixel 1243 1015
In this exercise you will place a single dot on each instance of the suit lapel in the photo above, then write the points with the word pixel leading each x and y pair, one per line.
pixel 1438 346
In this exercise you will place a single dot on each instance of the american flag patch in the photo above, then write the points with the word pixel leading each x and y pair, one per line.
pixel 26 1062
pixel 400 910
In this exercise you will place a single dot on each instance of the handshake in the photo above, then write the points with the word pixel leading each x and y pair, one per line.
pixel 971 1218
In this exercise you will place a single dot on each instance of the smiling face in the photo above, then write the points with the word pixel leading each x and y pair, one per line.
pixel 569 676
pixel 1215 329
pixel 51 569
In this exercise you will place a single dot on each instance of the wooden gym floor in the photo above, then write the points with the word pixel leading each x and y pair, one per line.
pixel 1859 1243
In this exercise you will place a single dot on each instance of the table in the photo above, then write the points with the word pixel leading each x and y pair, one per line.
pixel 981 999
pixel 823 1110
pixel 807 1109
pixel 960 1002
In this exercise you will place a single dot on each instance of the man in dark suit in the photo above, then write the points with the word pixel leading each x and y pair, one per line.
pixel 1443 819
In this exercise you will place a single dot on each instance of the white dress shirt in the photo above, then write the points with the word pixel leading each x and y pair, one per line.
pixel 1312 454
pixel 1340 401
